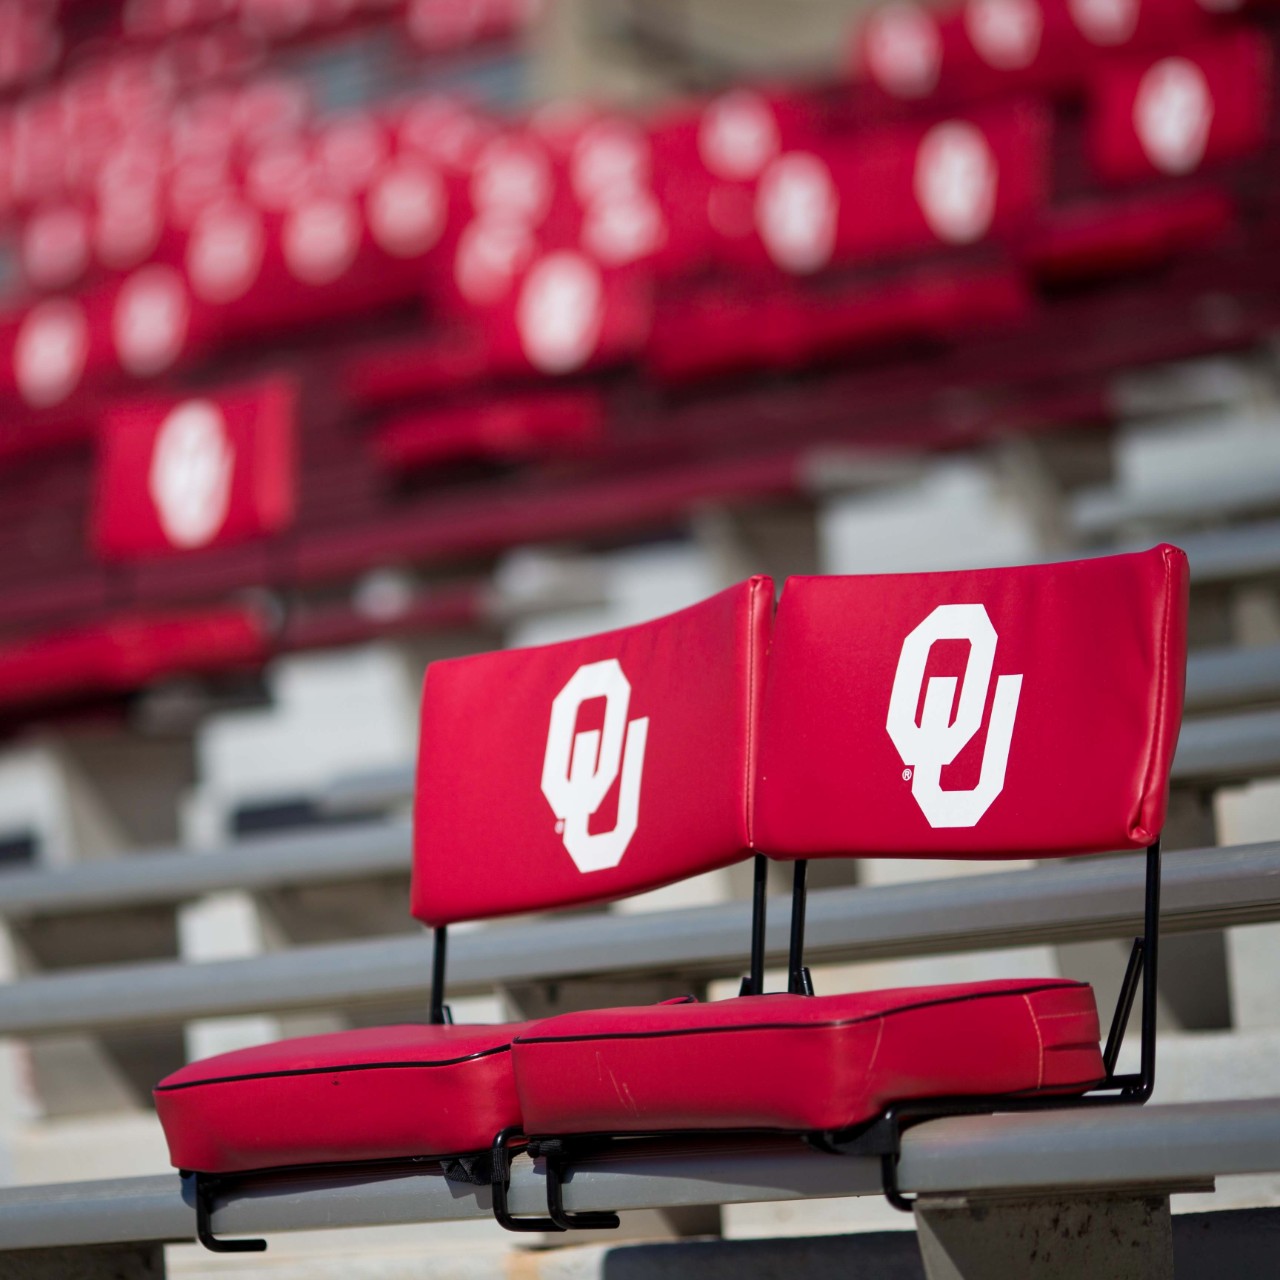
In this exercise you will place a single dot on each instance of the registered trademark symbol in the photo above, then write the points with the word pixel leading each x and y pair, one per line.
pixel 906 775
pixel 560 827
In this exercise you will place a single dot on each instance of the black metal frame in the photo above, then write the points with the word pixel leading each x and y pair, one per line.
pixel 440 1013
pixel 753 983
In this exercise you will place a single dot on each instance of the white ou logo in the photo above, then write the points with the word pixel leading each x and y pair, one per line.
pixel 1172 114
pixel 49 355
pixel 611 159
pixel 1105 22
pixel 513 177
pixel 955 182
pixel 738 135
pixel 560 312
pixel 406 209
pixel 618 231
pixel 580 768
pixel 55 247
pixel 321 239
pixel 492 250
pixel 150 320
pixel 127 225
pixel 903 49
pixel 224 254
pixel 1006 33
pixel 931 743
pixel 797 208
pixel 190 477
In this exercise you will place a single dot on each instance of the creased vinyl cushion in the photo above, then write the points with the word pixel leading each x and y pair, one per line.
pixel 375 1094
pixel 802 1062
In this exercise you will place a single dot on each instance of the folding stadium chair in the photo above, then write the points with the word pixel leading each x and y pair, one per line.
pixel 993 714
pixel 547 777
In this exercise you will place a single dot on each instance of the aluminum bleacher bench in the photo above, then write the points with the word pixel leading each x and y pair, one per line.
pixel 1056 902
pixel 836 1071
pixel 1161 1148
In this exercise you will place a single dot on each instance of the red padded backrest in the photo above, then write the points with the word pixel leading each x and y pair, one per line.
pixel 1170 115
pixel 592 769
pixel 995 713
pixel 201 472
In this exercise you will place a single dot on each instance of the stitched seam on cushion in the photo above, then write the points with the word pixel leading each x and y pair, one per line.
pixel 798 1026
pixel 1162 695
pixel 323 1071
pixel 1039 1041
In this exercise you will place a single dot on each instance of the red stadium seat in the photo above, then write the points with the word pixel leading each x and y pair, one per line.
pixel 127 653
pixel 902 189
pixel 720 331
pixel 531 425
pixel 802 1063
pixel 577 785
pixel 1170 115
pixel 346 1096
pixel 980 48
pixel 198 472
pixel 1097 239
pixel 966 715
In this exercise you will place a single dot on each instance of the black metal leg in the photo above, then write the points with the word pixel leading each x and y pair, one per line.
pixel 1124 1007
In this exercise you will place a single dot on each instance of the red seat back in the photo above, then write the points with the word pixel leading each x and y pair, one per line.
pixel 592 769
pixel 199 472
pixel 995 713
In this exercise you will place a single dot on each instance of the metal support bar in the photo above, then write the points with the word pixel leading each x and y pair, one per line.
pixel 754 985
pixel 798 980
pixel 1061 902
pixel 440 1015
pixel 1124 1007
pixel 1138 1088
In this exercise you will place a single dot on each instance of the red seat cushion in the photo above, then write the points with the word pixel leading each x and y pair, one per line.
pixel 803 1063
pixel 375 1094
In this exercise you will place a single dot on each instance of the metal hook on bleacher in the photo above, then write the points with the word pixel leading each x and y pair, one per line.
pixel 205 1191
pixel 552 1151
pixel 500 1182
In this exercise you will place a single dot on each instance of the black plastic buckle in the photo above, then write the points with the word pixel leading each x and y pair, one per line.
pixel 500 1176
pixel 554 1155
pixel 206 1188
